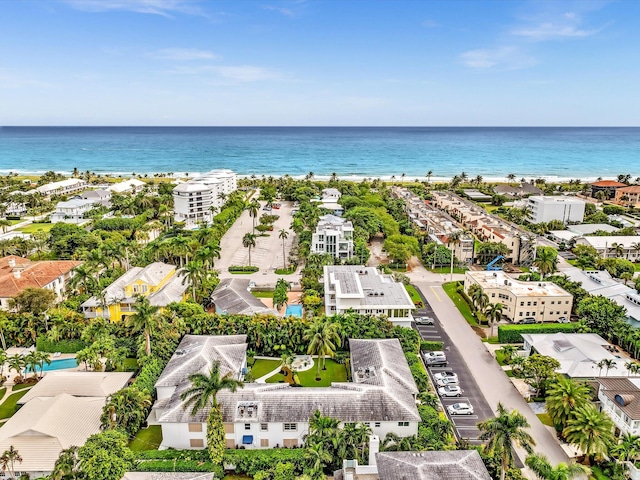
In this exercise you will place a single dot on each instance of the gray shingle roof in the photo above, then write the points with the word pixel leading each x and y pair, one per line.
pixel 435 465
pixel 232 297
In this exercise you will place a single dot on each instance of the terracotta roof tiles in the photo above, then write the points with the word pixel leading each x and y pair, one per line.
pixel 32 274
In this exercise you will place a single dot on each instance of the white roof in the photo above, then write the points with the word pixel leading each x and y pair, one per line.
pixel 126 185
pixel 44 427
pixel 75 203
pixel 549 199
pixel 69 182
pixel 605 242
pixel 588 228
pixel 577 353
pixel 78 384
pixel 499 279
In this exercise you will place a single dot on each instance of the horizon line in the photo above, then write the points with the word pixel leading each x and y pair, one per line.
pixel 319 126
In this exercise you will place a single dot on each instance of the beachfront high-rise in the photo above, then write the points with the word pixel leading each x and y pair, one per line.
pixel 199 199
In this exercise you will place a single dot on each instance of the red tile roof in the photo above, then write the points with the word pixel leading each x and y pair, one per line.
pixel 632 189
pixel 608 183
pixel 32 274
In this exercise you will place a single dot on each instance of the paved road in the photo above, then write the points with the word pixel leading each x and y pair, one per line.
pixel 492 381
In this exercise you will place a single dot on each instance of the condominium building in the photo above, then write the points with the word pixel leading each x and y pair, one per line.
pixel 334 236
pixel 629 196
pixel 609 188
pixel 200 198
pixel 544 209
pixel 366 291
pixel 620 400
pixel 63 187
pixel 543 301
pixel 622 246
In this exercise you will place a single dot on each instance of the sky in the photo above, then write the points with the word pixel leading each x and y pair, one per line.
pixel 320 62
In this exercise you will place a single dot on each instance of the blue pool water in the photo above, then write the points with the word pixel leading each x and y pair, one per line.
pixel 59 364
pixel 294 311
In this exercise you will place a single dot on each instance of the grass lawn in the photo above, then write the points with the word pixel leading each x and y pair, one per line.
pixel 545 419
pixel 13 222
pixel 461 303
pixel 22 386
pixel 3 390
pixel 9 407
pixel 500 357
pixel 509 373
pixel 147 438
pixel 236 477
pixel 262 367
pixel 413 293
pixel 130 365
pixel 34 227
pixel 334 373
pixel 262 294
pixel 636 267
pixel 282 271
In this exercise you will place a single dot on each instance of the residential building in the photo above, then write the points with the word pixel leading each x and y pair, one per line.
pixel 158 281
pixel 15 209
pixel 329 201
pixel 99 196
pixel 629 196
pixel 545 208
pixel 333 236
pixel 262 415
pixel 577 353
pixel 440 227
pixel 620 400
pixel 168 476
pixel 132 185
pixel 233 296
pixel 543 301
pixel 487 227
pixel 434 465
pixel 609 188
pixel 63 187
pixel 72 211
pixel 574 231
pixel 198 199
pixel 17 274
pixel 521 190
pixel 476 195
pixel 627 247
pixel 366 291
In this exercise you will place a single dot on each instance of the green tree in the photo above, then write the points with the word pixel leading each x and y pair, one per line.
pixel 67 466
pixel 317 459
pixel 627 449
pixel 254 209
pixel 283 235
pixel 193 273
pixel 145 320
pixel 9 459
pixel 105 456
pixel 591 430
pixel 494 314
pixel 564 396
pixel 324 338
pixel 546 260
pixel 33 300
pixel 540 465
pixel 505 432
pixel 249 241
pixel 539 370
pixel 126 409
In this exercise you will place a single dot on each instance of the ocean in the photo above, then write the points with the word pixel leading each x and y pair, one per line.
pixel 350 152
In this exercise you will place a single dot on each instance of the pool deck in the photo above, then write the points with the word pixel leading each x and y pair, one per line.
pixel 294 299
pixel 11 373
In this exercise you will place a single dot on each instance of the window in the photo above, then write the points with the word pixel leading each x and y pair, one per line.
pixel 528 304
pixel 403 424
pixel 520 313
pixel 377 424
pixel 567 302
pixel 195 427
pixel 264 427
pixel 247 426
pixel 264 442
pixel 535 304
pixel 196 443
pixel 493 294
pixel 552 302
pixel 290 427
pixel 522 304
pixel 367 424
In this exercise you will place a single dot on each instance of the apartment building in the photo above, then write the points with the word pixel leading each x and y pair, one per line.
pixel 620 400
pixel 545 208
pixel 629 196
pixel 543 301
pixel 333 236
pixel 63 187
pixel 199 199
pixel 627 246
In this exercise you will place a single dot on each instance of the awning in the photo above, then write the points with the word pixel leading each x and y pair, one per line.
pixel 247 439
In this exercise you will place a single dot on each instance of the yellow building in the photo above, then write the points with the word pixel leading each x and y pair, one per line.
pixel 158 282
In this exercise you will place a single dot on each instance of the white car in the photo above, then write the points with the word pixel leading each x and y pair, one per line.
pixel 460 409
pixel 450 391
pixel 424 321
pixel 441 375
pixel 446 382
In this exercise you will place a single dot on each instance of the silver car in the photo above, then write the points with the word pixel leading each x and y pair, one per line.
pixel 445 382
pixel 460 409
pixel 450 391
pixel 441 375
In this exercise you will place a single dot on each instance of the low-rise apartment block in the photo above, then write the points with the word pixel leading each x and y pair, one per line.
pixel 627 247
pixel 366 291
pixel 620 400
pixel 199 199
pixel 543 301
pixel 333 236
pixel 545 209
pixel 629 196
pixel 63 187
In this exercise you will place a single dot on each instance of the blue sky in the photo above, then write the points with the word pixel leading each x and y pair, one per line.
pixel 314 62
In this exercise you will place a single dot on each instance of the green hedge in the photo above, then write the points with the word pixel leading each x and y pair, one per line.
pixel 429 346
pixel 62 346
pixel 149 374
pixel 187 455
pixel 252 461
pixel 513 333
pixel 179 466
pixel 241 268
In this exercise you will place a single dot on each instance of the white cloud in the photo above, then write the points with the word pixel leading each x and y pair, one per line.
pixel 565 25
pixel 504 58
pixel 183 54
pixel 287 12
pixel 155 7
pixel 237 73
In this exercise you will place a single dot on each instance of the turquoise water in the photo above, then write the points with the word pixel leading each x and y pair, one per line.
pixel 561 153
pixel 59 364
pixel 293 311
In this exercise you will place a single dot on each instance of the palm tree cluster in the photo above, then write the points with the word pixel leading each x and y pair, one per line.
pixel 324 339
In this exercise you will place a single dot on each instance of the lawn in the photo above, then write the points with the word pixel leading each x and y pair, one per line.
pixel 9 407
pixel 35 227
pixel 262 294
pixel 148 438
pixel 335 372
pixel 461 303
pixel 500 357
pixel 413 293
pixel 3 390
pixel 597 473
pixel 283 271
pixel 262 367
pixel 545 419
pixel 21 386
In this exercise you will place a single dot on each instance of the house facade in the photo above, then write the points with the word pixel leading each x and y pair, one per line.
pixel 195 199
pixel 543 301
pixel 333 236
pixel 629 196
pixel 620 400
pixel 608 187
pixel 545 209
pixel 72 211
pixel 627 246
pixel 63 187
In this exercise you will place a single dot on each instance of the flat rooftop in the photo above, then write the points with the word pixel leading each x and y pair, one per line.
pixel 499 279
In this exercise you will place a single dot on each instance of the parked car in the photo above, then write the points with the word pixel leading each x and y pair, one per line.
pixel 446 382
pixel 450 391
pixel 460 409
pixel 433 359
pixel 528 320
pixel 266 208
pixel 441 375
pixel 563 320
pixel 424 321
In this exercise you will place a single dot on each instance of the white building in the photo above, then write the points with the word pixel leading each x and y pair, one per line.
pixel 544 301
pixel 334 236
pixel 193 200
pixel 99 196
pixel 607 247
pixel 72 211
pixel 261 415
pixel 620 400
pixel 131 185
pixel 329 200
pixel 366 291
pixel 566 209
pixel 63 187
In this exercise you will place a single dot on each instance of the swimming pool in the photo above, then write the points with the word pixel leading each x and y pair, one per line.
pixel 293 311
pixel 59 364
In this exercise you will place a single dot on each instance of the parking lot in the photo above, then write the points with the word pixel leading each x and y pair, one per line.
pixel 465 425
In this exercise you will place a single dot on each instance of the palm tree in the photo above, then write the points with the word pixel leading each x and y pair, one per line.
pixel 126 409
pixel 503 433
pixel 204 388
pixel 626 276
pixel 494 314
pixel 429 173
pixel 546 260
pixel 564 396
pixel 249 241
pixel 511 177
pixel 254 209
pixel 145 320
pixel 17 363
pixel 283 235
pixel 323 340
pixel 67 465
pixel 317 457
pixel 618 248
pixel 628 448
pixel 193 273
pixel 607 363
pixel 8 460
pixel 539 464
pixel 591 430
pixel 632 367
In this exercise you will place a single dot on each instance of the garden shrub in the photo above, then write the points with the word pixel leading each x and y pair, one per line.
pixel 62 346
